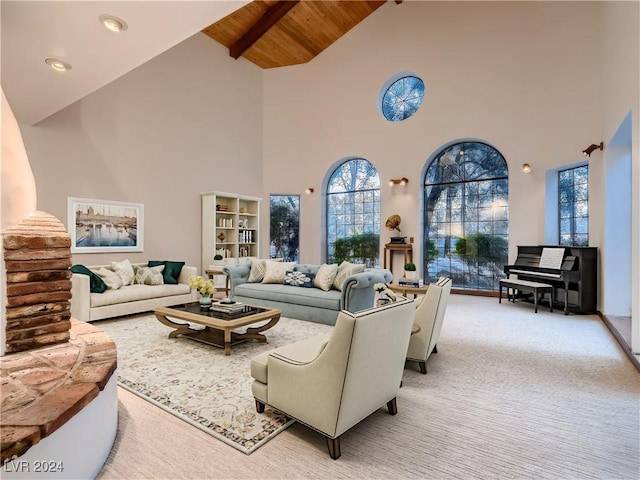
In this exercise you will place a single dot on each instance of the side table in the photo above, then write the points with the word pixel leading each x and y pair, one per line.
pixel 405 248
pixel 214 270
pixel 404 291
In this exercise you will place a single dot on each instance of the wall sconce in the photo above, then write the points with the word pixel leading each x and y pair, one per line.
pixel 398 181
pixel 309 191
pixel 526 168
pixel 589 150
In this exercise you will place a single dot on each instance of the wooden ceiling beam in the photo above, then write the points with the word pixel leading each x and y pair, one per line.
pixel 262 26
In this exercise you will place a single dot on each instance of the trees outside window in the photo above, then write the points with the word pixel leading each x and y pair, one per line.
pixel 573 206
pixel 284 228
pixel 353 213
pixel 466 216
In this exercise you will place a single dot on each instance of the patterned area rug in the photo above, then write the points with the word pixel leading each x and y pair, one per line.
pixel 198 383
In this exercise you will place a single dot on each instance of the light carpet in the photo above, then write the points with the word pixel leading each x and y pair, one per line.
pixel 510 395
pixel 198 383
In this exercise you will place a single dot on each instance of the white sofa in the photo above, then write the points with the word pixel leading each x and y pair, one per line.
pixel 87 306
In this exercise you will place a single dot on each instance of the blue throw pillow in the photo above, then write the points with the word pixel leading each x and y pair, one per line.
pixel 299 279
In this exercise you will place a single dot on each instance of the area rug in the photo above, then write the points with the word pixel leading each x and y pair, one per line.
pixel 198 383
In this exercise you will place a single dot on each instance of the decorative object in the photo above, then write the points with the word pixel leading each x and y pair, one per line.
pixel 222 236
pixel 198 383
pixel 393 223
pixel 205 300
pixel 384 294
pixel 204 287
pixel 589 150
pixel 99 226
pixel 526 168
pixel 309 190
pixel 398 181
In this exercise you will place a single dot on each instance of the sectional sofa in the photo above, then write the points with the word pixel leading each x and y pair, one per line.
pixel 310 303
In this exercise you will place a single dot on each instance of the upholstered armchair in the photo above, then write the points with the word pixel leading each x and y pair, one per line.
pixel 430 311
pixel 331 383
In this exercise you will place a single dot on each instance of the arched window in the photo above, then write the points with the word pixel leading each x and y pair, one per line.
pixel 466 215
pixel 353 213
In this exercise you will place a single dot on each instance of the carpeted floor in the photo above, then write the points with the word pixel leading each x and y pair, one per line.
pixel 511 394
pixel 197 382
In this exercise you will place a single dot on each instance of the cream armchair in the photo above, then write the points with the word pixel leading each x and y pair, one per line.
pixel 332 383
pixel 429 316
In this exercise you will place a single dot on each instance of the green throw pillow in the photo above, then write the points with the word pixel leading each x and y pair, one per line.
pixel 96 284
pixel 171 270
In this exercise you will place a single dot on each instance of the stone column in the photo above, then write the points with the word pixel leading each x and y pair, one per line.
pixel 37 257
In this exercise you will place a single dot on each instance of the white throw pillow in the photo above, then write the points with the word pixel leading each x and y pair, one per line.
pixel 149 275
pixel 325 276
pixel 345 270
pixel 110 278
pixel 124 270
pixel 275 271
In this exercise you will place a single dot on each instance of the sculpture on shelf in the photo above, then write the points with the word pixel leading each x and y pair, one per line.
pixel 393 223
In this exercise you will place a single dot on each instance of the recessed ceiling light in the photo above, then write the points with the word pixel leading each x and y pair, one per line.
pixel 57 65
pixel 114 24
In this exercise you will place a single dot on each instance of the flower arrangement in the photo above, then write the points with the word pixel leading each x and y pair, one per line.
pixel 385 293
pixel 204 287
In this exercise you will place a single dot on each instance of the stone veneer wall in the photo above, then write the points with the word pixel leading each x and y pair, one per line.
pixel 37 259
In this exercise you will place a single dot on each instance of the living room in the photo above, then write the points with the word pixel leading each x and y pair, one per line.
pixel 539 81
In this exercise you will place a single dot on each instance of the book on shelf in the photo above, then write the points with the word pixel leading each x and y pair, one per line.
pixel 410 282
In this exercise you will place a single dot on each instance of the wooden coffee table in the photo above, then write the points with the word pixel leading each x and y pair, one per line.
pixel 218 326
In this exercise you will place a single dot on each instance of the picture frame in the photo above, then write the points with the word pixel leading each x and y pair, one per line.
pixel 100 226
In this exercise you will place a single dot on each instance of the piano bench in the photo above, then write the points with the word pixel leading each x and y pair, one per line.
pixel 527 287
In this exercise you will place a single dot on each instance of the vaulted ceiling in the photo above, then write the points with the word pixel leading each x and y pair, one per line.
pixel 273 33
pixel 269 33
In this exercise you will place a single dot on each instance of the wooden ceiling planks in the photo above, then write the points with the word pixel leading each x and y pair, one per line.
pixel 299 36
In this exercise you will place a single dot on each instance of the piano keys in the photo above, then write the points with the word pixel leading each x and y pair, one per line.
pixel 573 271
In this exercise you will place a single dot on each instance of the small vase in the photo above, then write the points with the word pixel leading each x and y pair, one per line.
pixel 205 301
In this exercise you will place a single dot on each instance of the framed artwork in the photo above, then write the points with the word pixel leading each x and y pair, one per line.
pixel 99 226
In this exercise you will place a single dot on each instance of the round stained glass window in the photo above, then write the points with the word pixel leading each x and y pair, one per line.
pixel 402 98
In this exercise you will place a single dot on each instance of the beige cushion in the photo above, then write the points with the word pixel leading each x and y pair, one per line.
pixel 110 278
pixel 275 271
pixel 132 293
pixel 345 270
pixel 325 276
pixel 149 275
pixel 257 270
pixel 124 269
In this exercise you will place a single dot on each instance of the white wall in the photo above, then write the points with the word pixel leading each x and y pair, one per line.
pixel 620 67
pixel 517 75
pixel 186 122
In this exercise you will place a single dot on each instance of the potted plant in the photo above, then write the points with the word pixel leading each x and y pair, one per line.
pixel 218 259
pixel 410 270
pixel 205 288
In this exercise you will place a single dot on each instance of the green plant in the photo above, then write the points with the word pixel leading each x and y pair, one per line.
pixel 410 267
pixel 217 257
pixel 480 248
pixel 363 247
pixel 432 251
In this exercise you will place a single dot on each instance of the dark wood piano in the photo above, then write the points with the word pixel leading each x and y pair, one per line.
pixel 575 281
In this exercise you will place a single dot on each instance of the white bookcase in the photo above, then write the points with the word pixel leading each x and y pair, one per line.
pixel 230 226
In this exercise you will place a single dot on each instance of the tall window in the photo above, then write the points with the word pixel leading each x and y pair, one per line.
pixel 573 199
pixel 466 216
pixel 353 213
pixel 284 228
